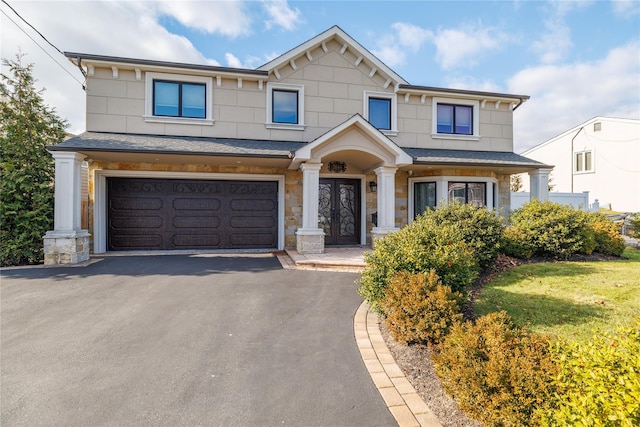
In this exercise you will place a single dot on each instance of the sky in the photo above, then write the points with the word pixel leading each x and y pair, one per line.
pixel 575 59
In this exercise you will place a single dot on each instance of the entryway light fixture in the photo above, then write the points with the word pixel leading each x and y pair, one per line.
pixel 373 186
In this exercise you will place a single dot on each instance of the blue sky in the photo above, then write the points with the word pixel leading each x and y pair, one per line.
pixel 576 60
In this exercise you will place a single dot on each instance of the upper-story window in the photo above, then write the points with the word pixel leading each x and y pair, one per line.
pixel 179 99
pixel 175 98
pixel 380 110
pixel 456 119
pixel 285 106
pixel 583 161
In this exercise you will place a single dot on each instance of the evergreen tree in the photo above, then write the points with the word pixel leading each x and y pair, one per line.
pixel 27 127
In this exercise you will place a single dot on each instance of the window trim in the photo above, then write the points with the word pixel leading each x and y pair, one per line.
pixel 178 78
pixel 270 124
pixel 442 190
pixel 394 110
pixel 475 105
pixel 584 162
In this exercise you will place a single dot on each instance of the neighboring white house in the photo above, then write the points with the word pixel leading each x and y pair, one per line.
pixel 601 156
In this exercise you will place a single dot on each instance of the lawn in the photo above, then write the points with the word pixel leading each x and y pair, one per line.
pixel 569 300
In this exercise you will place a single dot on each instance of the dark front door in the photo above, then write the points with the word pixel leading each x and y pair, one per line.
pixel 339 211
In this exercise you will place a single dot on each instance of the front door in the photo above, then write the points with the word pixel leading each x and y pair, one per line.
pixel 339 211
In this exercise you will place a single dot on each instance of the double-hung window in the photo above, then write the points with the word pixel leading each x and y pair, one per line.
pixel 583 162
pixel 473 193
pixel 456 119
pixel 380 110
pixel 285 106
pixel 177 98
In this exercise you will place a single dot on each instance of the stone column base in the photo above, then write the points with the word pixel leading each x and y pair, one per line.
pixel 379 233
pixel 66 247
pixel 310 241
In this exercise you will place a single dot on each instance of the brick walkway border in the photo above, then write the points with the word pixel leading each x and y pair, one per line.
pixel 403 401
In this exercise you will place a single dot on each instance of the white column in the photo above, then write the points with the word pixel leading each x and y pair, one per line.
pixel 67 243
pixel 386 201
pixel 310 238
pixel 539 184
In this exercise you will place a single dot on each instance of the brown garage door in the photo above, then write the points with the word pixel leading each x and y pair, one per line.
pixel 154 214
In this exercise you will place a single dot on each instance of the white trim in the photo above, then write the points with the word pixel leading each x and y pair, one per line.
pixel 148 99
pixel 442 190
pixel 394 109
pixel 287 126
pixel 363 200
pixel 100 195
pixel 454 101
pixel 584 162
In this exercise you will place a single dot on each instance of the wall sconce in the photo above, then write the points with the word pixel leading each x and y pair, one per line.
pixel 373 186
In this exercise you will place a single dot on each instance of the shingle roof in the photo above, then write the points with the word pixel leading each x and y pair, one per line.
pixel 471 158
pixel 134 143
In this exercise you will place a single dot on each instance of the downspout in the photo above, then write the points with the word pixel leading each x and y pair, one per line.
pixel 572 165
pixel 84 73
pixel 519 104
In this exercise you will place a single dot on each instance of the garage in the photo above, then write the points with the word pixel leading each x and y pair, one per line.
pixel 174 214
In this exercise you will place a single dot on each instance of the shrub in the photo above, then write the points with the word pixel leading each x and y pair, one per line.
pixel 608 239
pixel 633 222
pixel 554 230
pixel 419 247
pixel 599 381
pixel 498 374
pixel 419 308
pixel 514 243
pixel 481 229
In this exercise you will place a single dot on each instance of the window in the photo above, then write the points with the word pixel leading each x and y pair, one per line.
pixel 468 192
pixel 583 162
pixel 178 99
pixel 285 106
pixel 175 98
pixel 380 111
pixel 424 197
pixel 456 119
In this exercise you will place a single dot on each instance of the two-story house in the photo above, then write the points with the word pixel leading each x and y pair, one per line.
pixel 324 145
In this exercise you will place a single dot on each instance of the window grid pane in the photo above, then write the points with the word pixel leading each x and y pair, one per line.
pixel 463 120
pixel 193 104
pixel 166 98
pixel 587 161
pixel 285 106
pixel 579 162
pixel 445 118
pixel 380 113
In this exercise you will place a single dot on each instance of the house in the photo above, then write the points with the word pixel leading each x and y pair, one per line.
pixel 601 156
pixel 324 145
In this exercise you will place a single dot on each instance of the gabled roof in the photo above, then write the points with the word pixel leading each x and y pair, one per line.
pixel 377 143
pixel 345 39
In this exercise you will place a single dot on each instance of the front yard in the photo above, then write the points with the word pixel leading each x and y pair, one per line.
pixel 569 300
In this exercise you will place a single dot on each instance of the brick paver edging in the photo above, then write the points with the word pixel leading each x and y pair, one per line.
pixel 405 404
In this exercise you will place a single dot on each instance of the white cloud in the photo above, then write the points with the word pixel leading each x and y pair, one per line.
pixel 554 44
pixel 281 15
pixel 465 46
pixel 563 96
pixel 233 61
pixel 626 8
pixel 392 47
pixel 228 18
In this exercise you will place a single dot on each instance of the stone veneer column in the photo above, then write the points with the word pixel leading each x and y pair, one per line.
pixel 310 238
pixel 67 243
pixel 539 184
pixel 386 202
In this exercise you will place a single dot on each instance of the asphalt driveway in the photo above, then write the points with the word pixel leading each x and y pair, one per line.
pixel 183 340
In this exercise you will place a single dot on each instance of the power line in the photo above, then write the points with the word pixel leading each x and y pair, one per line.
pixel 37 44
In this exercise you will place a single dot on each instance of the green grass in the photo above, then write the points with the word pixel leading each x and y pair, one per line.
pixel 569 300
